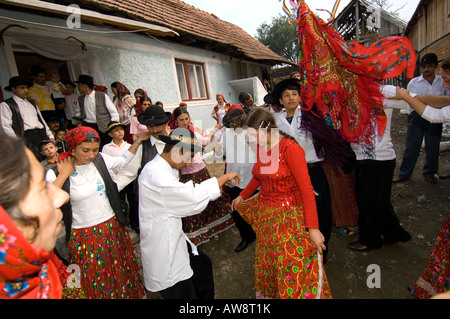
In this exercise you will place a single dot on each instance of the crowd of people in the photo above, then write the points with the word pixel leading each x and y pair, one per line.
pixel 109 164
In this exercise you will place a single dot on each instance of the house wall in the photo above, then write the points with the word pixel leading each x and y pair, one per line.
pixel 137 61
pixel 430 31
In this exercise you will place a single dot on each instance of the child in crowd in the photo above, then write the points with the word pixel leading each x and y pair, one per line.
pixel 72 109
pixel 53 124
pixel 117 147
pixel 49 150
pixel 57 91
pixel 60 139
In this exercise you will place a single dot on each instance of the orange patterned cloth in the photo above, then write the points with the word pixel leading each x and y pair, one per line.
pixel 341 79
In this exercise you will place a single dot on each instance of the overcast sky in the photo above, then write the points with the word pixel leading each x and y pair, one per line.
pixel 250 14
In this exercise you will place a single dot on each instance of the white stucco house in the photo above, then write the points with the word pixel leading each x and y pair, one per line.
pixel 174 51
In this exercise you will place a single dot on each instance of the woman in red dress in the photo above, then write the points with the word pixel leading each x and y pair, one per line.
pixel 288 260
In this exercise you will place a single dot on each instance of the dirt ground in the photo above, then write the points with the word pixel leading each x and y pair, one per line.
pixel 422 208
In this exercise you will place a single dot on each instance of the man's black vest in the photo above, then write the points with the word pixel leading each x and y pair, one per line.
pixel 17 121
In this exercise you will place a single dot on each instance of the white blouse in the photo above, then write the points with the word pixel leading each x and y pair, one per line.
pixel 90 204
pixel 240 156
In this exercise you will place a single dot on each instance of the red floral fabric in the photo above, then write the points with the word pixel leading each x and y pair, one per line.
pixel 26 271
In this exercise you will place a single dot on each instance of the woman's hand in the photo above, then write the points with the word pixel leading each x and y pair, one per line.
pixel 236 202
pixel 317 239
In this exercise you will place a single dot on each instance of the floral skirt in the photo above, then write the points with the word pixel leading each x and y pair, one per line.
pixel 213 220
pixel 436 277
pixel 287 265
pixel 108 265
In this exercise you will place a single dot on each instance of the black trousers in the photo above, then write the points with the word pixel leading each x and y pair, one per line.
pixel 32 139
pixel 323 201
pixel 373 197
pixel 245 229
pixel 133 208
pixel 200 285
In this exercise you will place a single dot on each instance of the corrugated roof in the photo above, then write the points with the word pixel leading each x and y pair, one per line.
pixel 195 26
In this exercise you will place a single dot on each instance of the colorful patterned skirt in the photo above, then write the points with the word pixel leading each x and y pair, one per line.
pixel 287 265
pixel 343 198
pixel 215 219
pixel 436 277
pixel 108 265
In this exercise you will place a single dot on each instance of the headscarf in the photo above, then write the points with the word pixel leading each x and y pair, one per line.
pixel 26 271
pixel 138 106
pixel 121 92
pixel 77 136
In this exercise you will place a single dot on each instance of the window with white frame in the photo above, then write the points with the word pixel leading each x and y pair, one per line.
pixel 191 80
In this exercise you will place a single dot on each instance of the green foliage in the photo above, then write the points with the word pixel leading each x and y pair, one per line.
pixel 280 37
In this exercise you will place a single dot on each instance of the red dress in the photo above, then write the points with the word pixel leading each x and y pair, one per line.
pixel 287 265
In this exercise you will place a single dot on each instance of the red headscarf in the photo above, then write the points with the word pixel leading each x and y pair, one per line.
pixel 26 271
pixel 77 136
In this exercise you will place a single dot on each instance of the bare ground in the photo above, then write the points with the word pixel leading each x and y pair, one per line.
pixel 422 208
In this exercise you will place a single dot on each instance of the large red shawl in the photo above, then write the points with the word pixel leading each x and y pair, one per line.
pixel 342 78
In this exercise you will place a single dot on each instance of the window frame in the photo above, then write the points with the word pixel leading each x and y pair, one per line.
pixel 184 64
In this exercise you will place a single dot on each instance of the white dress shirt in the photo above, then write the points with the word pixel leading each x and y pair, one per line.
pixel 240 156
pixel 304 139
pixel 29 115
pixel 163 201
pixel 434 115
pixel 88 199
pixel 72 108
pixel 112 149
pixel 90 110
pixel 382 148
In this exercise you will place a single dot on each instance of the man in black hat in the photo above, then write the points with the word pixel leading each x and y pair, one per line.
pixel 40 93
pixel 156 121
pixel 429 83
pixel 172 265
pixel 96 108
pixel 22 118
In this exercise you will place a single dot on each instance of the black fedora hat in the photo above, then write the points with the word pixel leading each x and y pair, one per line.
pixel 154 115
pixel 281 86
pixel 429 58
pixel 17 80
pixel 183 137
pixel 114 124
pixel 85 79
pixel 235 118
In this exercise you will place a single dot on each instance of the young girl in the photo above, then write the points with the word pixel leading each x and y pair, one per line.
pixel 288 261
pixel 216 217
pixel 135 126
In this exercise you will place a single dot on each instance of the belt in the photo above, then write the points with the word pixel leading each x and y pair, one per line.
pixel 314 165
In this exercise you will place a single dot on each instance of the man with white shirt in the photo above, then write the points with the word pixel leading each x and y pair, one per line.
pixel 21 118
pixel 375 164
pixel 96 108
pixel 172 265
pixel 156 121
pixel 419 128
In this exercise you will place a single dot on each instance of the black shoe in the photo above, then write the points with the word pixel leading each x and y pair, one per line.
pixel 243 244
